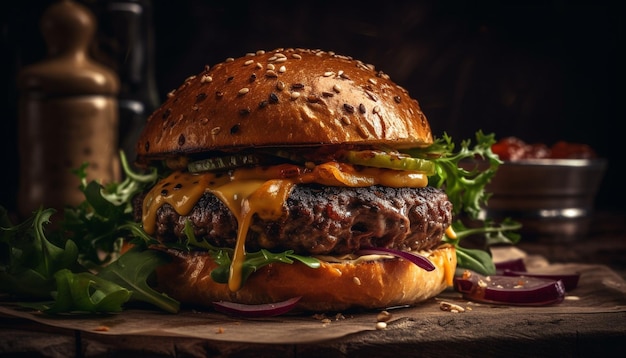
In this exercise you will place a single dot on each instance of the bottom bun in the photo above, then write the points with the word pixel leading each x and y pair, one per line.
pixel 332 287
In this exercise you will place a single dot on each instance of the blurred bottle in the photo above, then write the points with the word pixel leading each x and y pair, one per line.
pixel 125 42
pixel 67 113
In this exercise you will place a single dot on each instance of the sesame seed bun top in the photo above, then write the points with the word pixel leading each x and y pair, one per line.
pixel 284 97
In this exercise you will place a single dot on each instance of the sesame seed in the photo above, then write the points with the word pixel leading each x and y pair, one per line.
pixel 270 66
pixel 356 281
pixel 295 95
pixel 372 81
pixel 273 98
pixel 244 91
pixel 204 120
pixel 215 130
pixel 230 59
pixel 170 94
pixel 280 85
pixel 381 326
pixel 244 111
pixel 206 79
pixel 312 98
pixel 376 109
pixel 201 97
pixel 397 99
pixel 345 120
pixel 280 55
pixel 234 129
pixel 270 73
pixel 263 104
pixel 252 77
pixel 327 94
pixel 348 108
pixel 250 54
pixel 271 59
pixel 282 69
pixel 340 73
pixel 181 139
pixel 297 86
pixel 344 76
pixel 249 62
pixel 259 65
pixel 329 73
pixel 296 56
pixel 166 113
pixel 336 88
pixel 281 59
pixel 260 52
pixel 371 95
pixel 362 108
pixel 362 131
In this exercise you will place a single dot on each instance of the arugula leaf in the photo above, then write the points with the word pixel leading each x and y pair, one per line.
pixel 132 271
pixel 85 292
pixel 80 266
pixel 479 260
pixel 464 175
pixel 100 224
pixel 252 262
pixel 31 260
pixel 465 187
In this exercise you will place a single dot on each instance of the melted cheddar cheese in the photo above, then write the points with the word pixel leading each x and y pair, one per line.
pixel 261 191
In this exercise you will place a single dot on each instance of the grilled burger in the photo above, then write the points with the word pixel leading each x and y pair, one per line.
pixel 283 176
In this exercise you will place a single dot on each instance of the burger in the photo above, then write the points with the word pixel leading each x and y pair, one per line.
pixel 284 175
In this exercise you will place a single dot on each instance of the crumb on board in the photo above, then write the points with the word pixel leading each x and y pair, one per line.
pixel 450 307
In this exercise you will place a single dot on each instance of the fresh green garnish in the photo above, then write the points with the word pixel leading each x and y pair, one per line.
pixel 465 187
pixel 464 179
pixel 79 266
pixel 29 260
pixel 479 260
pixel 253 260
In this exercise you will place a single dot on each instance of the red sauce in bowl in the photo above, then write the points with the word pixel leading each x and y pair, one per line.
pixel 512 149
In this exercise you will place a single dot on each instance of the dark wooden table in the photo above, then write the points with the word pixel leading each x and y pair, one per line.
pixel 486 332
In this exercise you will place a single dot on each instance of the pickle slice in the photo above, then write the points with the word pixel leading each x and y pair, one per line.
pixel 397 161
pixel 221 163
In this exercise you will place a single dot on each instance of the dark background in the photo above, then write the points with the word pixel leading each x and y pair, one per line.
pixel 540 70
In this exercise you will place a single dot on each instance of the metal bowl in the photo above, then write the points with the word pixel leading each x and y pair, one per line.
pixel 550 197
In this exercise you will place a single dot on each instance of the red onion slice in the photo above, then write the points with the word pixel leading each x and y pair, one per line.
pixel 570 280
pixel 512 265
pixel 255 311
pixel 510 290
pixel 416 259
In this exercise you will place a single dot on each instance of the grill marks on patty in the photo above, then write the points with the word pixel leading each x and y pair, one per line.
pixel 323 220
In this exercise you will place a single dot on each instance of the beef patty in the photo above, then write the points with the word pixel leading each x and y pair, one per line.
pixel 322 220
